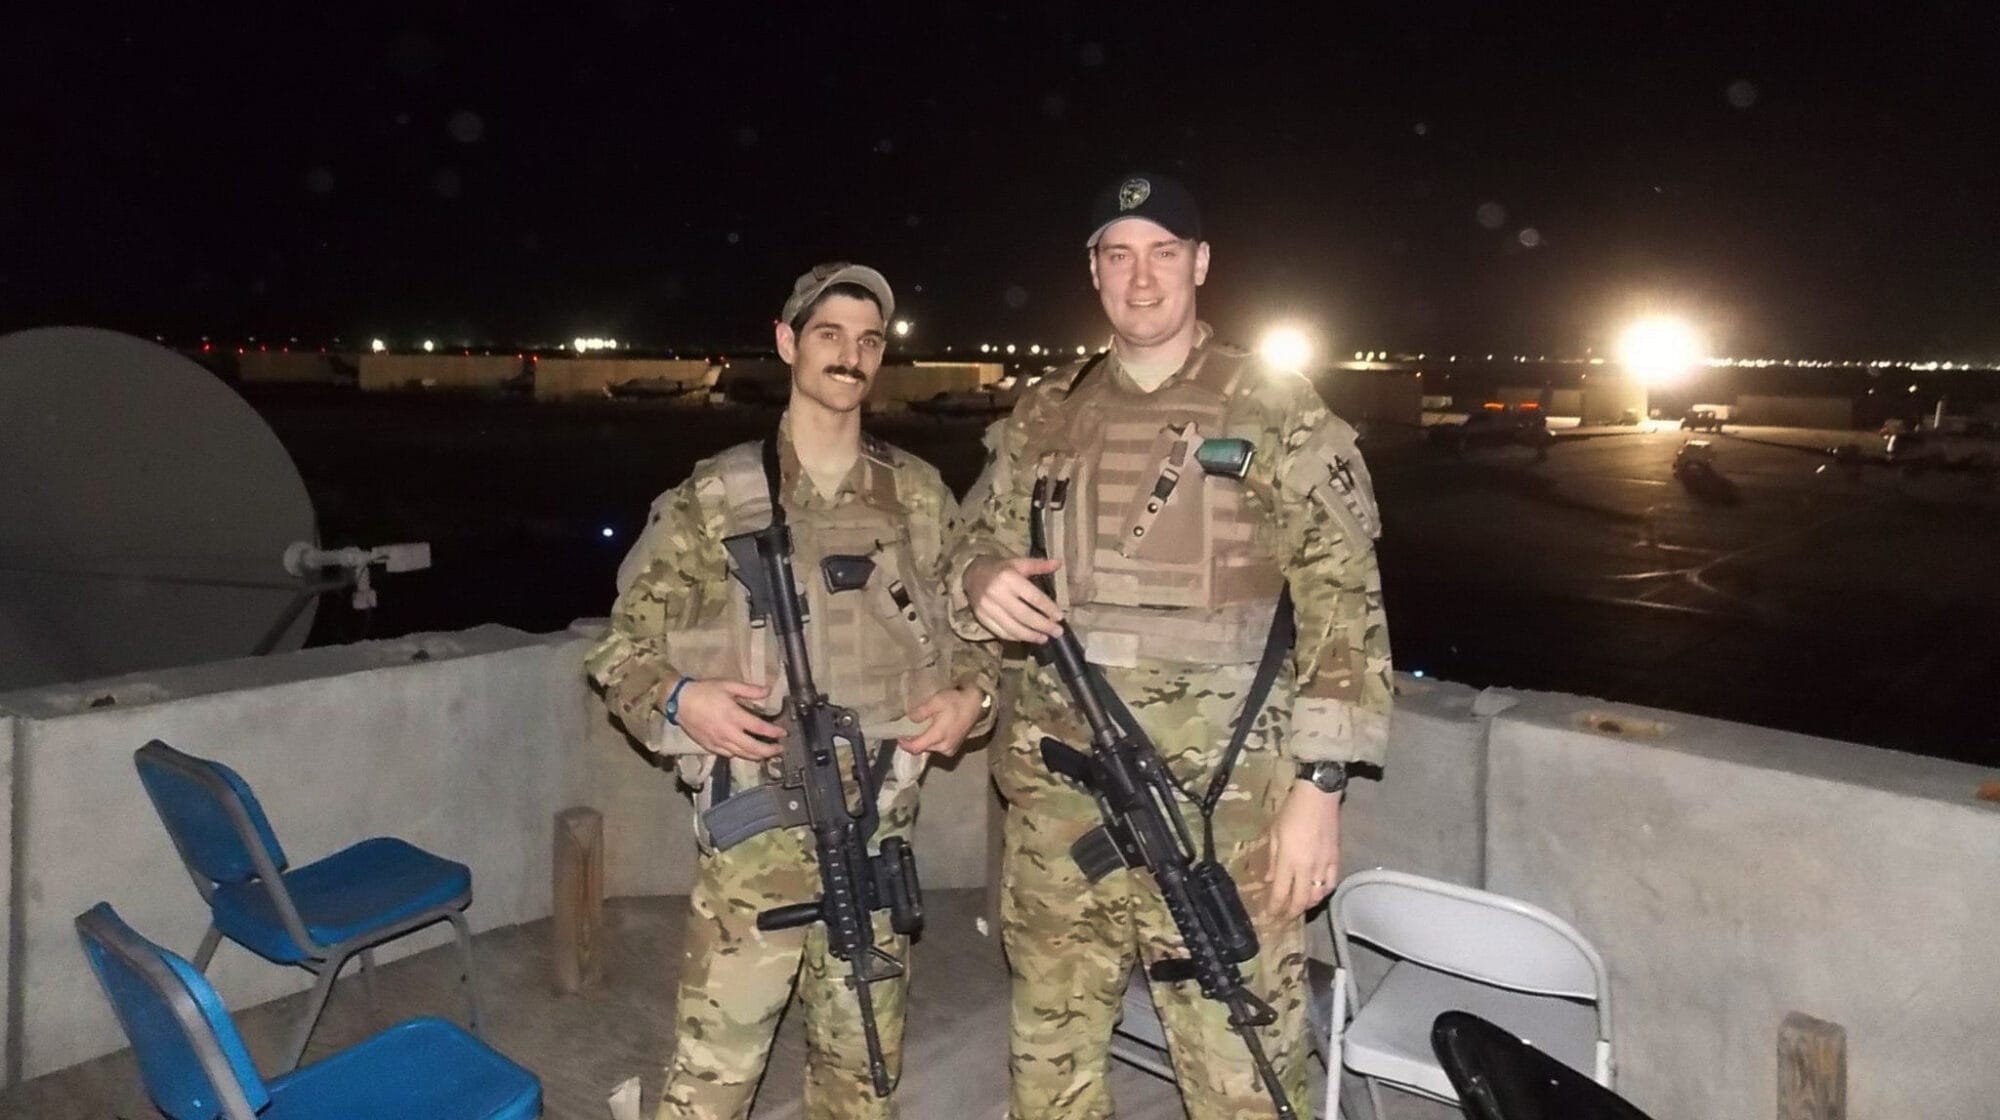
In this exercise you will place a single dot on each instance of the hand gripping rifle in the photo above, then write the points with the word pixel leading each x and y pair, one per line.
pixel 1143 828
pixel 853 883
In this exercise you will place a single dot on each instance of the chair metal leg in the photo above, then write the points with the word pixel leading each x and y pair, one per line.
pixel 206 953
pixel 465 961
pixel 302 1033
pixel 1374 1097
pixel 1335 1043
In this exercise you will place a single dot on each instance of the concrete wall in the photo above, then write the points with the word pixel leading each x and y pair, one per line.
pixel 462 752
pixel 10 1015
pixel 1562 402
pixel 264 368
pixel 1607 396
pixel 897 385
pixel 557 378
pixel 1373 397
pixel 1728 875
pixel 1793 412
pixel 392 372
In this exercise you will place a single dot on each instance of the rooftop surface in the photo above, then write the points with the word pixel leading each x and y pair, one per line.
pixel 584 1045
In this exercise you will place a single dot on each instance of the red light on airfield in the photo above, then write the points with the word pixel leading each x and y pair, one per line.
pixel 1530 406
pixel 206 347
pixel 1494 406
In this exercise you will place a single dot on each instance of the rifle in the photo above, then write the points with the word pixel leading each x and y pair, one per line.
pixel 853 883
pixel 1143 828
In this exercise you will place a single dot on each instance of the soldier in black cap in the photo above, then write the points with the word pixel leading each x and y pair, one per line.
pixel 1173 577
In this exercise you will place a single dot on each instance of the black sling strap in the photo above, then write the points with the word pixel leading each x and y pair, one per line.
pixel 1283 635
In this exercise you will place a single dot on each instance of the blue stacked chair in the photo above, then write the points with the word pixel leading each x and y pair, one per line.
pixel 195 1066
pixel 316 917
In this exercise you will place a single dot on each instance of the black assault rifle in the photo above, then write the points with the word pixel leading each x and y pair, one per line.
pixel 853 883
pixel 1143 828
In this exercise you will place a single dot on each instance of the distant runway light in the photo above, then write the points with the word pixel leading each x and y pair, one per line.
pixel 378 346
pixel 902 328
pixel 1286 347
pixel 1660 350
pixel 1035 349
pixel 606 533
pixel 1081 351
pixel 1417 673
pixel 1010 348
pixel 429 346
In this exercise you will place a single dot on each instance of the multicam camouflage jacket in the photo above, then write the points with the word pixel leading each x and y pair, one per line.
pixel 677 580
pixel 1308 485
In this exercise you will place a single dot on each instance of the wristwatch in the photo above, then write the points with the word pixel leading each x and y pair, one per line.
pixel 1327 777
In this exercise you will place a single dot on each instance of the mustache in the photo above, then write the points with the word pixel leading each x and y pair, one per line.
pixel 851 371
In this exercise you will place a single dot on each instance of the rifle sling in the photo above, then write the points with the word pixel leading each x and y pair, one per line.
pixel 1277 643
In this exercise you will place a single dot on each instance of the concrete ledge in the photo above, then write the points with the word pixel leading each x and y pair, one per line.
pixel 1731 874
pixel 1426 816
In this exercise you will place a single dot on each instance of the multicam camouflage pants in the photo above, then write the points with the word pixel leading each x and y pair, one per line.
pixel 736 980
pixel 1071 947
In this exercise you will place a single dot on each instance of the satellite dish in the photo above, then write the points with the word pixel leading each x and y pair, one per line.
pixel 145 511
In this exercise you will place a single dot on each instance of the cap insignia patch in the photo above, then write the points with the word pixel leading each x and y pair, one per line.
pixel 1133 193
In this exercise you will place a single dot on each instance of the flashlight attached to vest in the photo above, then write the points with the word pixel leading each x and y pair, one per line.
pixel 1225 458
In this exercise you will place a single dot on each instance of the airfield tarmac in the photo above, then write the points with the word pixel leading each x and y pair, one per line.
pixel 1855 606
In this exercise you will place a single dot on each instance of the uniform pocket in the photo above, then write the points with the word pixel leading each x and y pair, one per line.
pixel 902 607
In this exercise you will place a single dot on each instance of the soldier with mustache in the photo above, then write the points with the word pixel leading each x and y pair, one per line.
pixel 687 675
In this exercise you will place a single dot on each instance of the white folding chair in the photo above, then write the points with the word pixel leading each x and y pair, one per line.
pixel 1457 949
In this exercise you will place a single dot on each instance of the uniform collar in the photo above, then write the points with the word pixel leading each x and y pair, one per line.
pixel 1203 335
pixel 796 486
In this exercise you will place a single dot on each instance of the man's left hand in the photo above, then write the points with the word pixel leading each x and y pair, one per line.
pixel 950 714
pixel 1303 850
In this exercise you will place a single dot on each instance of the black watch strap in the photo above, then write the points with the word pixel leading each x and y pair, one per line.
pixel 1329 777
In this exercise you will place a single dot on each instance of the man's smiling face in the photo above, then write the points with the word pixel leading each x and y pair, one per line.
pixel 1146 278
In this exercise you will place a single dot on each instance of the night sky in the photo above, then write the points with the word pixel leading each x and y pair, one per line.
pixel 1407 176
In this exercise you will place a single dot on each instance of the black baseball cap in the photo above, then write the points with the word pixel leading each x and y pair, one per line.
pixel 1157 198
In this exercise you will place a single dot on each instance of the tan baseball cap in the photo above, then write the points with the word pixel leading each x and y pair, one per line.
pixel 807 288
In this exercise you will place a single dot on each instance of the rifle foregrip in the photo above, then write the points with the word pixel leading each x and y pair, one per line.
pixel 789 917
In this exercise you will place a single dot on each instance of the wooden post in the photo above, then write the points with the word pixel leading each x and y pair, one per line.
pixel 579 899
pixel 1812 1069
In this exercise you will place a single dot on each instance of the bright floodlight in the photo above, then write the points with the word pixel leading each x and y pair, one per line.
pixel 378 346
pixel 1286 348
pixel 1660 350
pixel 429 346
pixel 902 328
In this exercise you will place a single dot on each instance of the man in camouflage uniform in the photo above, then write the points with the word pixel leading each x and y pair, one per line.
pixel 1171 577
pixel 687 675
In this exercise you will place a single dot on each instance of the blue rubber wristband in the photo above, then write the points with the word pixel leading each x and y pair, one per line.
pixel 672 708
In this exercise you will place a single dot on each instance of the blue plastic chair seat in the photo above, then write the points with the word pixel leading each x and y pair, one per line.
pixel 358 890
pixel 419 1070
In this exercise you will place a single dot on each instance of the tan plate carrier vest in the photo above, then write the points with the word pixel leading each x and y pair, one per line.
pixel 876 649
pixel 1161 561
